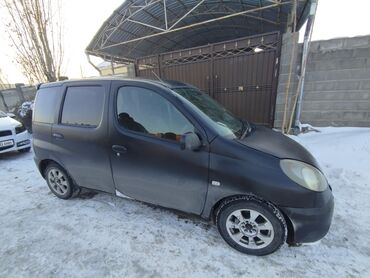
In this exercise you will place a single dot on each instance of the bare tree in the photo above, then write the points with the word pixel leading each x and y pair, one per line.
pixel 35 30
pixel 3 80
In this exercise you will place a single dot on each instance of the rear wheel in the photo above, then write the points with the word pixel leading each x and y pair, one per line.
pixel 58 181
pixel 251 226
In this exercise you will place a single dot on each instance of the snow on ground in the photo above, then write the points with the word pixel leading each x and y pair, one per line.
pixel 102 235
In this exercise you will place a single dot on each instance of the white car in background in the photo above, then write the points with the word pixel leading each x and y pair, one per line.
pixel 13 135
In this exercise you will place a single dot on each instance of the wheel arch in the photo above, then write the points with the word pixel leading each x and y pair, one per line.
pixel 43 164
pixel 217 205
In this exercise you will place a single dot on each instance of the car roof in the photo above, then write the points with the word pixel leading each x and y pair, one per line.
pixel 166 83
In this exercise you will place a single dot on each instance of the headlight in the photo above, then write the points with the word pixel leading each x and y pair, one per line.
pixel 304 174
pixel 20 128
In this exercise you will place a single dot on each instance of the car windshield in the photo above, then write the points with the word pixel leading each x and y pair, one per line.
pixel 224 121
pixel 2 114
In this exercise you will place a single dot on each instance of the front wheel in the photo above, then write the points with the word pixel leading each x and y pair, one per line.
pixel 251 226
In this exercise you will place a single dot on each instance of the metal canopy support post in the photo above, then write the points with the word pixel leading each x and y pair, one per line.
pixel 306 47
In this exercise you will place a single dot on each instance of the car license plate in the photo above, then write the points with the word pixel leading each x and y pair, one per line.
pixel 6 143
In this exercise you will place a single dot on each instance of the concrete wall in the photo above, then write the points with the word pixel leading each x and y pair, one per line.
pixel 13 97
pixel 337 86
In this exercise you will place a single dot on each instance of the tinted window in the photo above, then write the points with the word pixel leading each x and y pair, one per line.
pixel 45 105
pixel 224 121
pixel 83 106
pixel 145 111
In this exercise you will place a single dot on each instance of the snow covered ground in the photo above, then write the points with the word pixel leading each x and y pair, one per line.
pixel 102 235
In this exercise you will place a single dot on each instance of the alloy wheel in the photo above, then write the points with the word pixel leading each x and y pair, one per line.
pixel 250 228
pixel 58 181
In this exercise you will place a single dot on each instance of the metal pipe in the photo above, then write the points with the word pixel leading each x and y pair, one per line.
pixel 103 55
pixel 165 14
pixel 146 25
pixel 91 63
pixel 185 15
pixel 306 46
pixel 131 14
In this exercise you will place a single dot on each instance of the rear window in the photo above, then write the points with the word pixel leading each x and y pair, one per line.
pixel 83 106
pixel 47 100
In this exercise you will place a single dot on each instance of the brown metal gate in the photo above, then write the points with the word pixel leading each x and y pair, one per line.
pixel 240 74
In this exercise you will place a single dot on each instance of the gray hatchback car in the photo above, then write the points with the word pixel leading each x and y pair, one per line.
pixel 168 144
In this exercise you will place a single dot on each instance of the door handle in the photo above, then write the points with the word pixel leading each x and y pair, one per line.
pixel 119 149
pixel 58 135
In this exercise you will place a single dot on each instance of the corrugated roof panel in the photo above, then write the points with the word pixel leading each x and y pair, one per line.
pixel 134 29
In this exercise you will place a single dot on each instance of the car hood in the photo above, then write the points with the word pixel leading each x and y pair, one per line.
pixel 8 123
pixel 277 144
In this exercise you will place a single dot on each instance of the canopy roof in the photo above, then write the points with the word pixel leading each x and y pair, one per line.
pixel 140 28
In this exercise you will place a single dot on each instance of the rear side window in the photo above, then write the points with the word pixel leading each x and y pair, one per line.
pixel 83 106
pixel 47 100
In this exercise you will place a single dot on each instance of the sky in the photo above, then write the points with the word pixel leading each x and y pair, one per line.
pixel 83 18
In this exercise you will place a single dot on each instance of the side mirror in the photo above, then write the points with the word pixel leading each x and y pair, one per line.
pixel 190 141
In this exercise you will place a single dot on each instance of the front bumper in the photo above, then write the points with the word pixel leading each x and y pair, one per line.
pixel 309 224
pixel 20 141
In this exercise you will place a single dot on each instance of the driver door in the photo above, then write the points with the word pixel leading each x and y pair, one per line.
pixel 147 161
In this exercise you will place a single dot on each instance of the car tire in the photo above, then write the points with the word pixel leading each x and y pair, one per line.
pixel 59 182
pixel 251 226
pixel 25 150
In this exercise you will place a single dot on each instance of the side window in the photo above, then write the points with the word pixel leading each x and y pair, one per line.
pixel 145 111
pixel 83 106
pixel 46 101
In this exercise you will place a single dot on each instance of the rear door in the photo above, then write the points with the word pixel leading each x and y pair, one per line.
pixel 44 116
pixel 147 161
pixel 80 138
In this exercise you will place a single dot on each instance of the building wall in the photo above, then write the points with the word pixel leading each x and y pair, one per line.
pixel 337 84
pixel 121 70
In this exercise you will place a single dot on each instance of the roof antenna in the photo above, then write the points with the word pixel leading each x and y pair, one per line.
pixel 156 75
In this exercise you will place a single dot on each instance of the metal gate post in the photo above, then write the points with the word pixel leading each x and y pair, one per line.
pixel 306 47
pixel 275 80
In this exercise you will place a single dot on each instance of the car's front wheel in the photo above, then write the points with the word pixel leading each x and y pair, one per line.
pixel 58 181
pixel 251 226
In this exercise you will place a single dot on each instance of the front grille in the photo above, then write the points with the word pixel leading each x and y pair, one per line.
pixel 5 133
